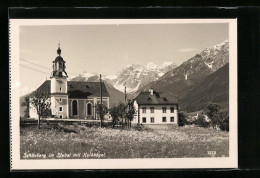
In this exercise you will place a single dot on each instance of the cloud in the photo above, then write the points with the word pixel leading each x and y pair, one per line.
pixel 186 50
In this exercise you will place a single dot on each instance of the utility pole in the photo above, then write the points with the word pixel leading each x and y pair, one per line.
pixel 127 106
pixel 125 93
pixel 101 107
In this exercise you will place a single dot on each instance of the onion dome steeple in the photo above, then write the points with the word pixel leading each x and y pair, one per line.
pixel 59 66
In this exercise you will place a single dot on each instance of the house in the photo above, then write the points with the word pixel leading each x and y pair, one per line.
pixel 156 108
pixel 71 99
pixel 192 116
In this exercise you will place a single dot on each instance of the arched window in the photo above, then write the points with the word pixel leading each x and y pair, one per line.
pixel 152 109
pixel 89 109
pixel 60 66
pixel 74 107
pixel 164 109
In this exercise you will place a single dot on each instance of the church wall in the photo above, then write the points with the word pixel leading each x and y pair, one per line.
pixel 63 104
pixel 92 109
pixel 32 112
pixel 104 101
pixel 55 85
pixel 70 109
pixel 82 106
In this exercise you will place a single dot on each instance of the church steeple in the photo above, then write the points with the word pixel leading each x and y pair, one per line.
pixel 59 50
pixel 59 65
pixel 59 87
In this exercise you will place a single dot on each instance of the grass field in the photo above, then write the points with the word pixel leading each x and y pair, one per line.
pixel 157 141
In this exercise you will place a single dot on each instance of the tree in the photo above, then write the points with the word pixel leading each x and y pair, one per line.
pixel 130 112
pixel 182 118
pixel 201 121
pixel 39 99
pixel 122 111
pixel 114 112
pixel 101 111
pixel 27 105
pixel 212 111
pixel 224 116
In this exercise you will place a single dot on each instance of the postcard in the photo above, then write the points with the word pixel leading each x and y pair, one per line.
pixel 123 93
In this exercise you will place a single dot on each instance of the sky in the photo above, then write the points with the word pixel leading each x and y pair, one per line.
pixel 107 49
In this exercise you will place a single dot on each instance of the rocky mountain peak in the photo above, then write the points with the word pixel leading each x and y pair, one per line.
pixel 151 66
pixel 132 76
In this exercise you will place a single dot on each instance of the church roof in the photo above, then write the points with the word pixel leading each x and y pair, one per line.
pixel 79 89
pixel 59 59
pixel 158 98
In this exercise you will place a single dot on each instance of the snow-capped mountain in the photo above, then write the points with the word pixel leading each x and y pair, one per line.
pixel 133 76
pixel 181 80
pixel 216 56
pixel 166 76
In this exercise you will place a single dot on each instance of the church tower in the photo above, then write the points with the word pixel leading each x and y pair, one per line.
pixel 59 88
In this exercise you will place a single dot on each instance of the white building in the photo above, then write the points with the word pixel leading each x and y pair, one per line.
pixel 156 108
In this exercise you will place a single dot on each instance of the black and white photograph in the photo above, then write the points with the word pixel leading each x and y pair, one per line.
pixel 108 93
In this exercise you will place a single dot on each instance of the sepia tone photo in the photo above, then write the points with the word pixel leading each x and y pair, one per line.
pixel 124 91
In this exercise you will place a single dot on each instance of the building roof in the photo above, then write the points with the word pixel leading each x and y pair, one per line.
pixel 80 89
pixel 59 74
pixel 59 59
pixel 158 98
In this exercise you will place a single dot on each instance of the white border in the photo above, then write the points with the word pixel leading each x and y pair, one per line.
pixel 164 163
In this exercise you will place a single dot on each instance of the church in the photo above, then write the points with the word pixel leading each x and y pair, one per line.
pixel 71 99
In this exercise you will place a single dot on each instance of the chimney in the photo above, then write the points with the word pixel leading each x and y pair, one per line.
pixel 151 91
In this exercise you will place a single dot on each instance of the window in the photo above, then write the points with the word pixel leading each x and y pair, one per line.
pixel 89 108
pixel 152 109
pixel 60 66
pixel 152 119
pixel 144 119
pixel 144 110
pixel 61 116
pixel 172 119
pixel 164 119
pixel 60 88
pixel 74 107
pixel 164 109
pixel 172 109
pixel 60 99
pixel 60 108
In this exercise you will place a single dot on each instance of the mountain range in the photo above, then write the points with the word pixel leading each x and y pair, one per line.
pixel 133 76
pixel 213 88
pixel 183 80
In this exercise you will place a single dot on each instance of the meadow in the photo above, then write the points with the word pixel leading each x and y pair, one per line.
pixel 154 141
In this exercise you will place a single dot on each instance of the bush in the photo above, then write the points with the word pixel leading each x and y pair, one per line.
pixel 201 121
pixel 224 124
pixel 182 119
pixel 212 111
pixel 46 114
